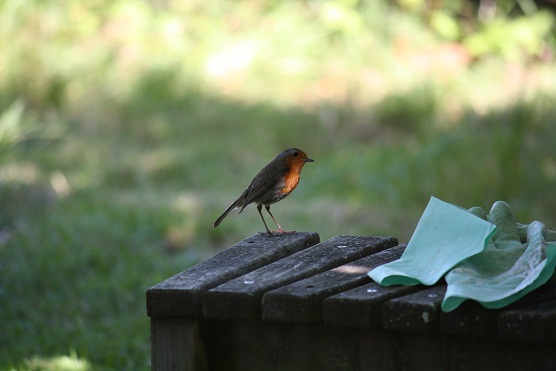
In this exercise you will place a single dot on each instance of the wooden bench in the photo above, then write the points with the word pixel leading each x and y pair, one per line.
pixel 288 302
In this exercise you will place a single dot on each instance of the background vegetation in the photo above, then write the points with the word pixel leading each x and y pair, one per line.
pixel 127 126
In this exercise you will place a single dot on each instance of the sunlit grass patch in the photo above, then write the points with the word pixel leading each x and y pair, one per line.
pixel 58 363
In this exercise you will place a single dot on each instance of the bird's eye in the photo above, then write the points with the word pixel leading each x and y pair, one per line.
pixel 295 154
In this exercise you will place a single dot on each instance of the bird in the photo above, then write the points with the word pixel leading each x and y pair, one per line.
pixel 274 182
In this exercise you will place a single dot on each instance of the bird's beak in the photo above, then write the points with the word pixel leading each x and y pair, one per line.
pixel 309 160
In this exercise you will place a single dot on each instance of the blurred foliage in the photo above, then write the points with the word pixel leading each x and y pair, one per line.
pixel 516 39
pixel 126 127
pixel 94 52
pixel 12 130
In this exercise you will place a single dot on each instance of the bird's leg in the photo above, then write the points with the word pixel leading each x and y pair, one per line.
pixel 280 230
pixel 259 208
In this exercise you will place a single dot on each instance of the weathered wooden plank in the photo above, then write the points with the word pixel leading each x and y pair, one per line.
pixel 470 319
pixel 302 301
pixel 468 353
pixel 535 323
pixel 362 306
pixel 417 312
pixel 420 350
pixel 232 345
pixel 182 295
pixel 436 351
pixel 241 298
pixel 256 345
pixel 259 345
pixel 176 345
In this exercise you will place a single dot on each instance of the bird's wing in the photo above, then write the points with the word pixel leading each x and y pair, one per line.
pixel 264 181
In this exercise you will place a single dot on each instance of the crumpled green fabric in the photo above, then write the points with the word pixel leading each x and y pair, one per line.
pixel 517 260
pixel 445 236
pixel 487 258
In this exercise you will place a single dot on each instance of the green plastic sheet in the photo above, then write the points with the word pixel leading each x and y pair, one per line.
pixel 488 258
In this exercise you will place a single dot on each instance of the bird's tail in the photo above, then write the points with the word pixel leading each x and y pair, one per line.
pixel 237 203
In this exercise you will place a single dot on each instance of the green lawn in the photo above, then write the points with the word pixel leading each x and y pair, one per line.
pixel 126 128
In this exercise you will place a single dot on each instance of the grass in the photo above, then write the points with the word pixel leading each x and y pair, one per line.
pixel 127 127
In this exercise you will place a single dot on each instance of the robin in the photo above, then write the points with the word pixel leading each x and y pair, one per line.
pixel 274 182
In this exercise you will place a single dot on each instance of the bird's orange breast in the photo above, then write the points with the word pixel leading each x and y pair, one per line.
pixel 290 182
pixel 291 177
